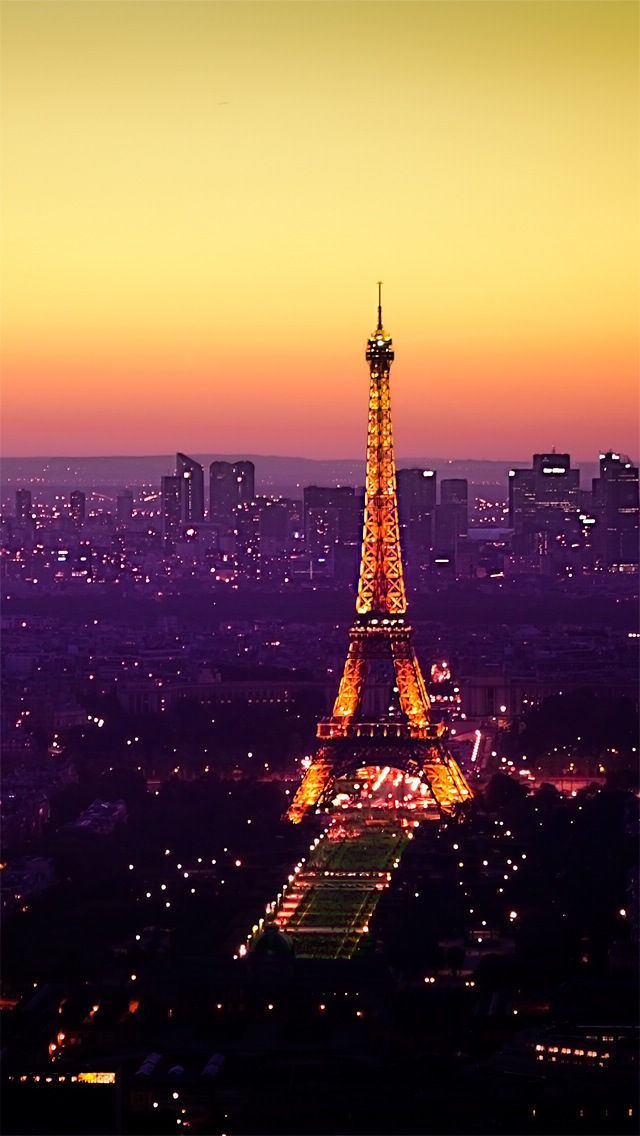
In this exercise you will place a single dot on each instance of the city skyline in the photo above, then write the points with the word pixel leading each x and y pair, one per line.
pixel 200 203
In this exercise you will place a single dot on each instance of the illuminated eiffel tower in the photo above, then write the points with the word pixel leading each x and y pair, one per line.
pixel 381 715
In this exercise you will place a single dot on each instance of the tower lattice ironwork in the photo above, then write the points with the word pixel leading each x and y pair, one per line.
pixel 381 715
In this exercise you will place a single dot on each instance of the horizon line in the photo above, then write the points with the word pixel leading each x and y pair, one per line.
pixel 238 455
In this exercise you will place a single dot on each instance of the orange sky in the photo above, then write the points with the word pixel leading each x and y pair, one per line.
pixel 198 199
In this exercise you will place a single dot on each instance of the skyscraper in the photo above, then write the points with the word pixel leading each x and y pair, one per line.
pixel 452 514
pixel 230 485
pixel 23 505
pixel 545 497
pixel 615 505
pixel 171 494
pixel 416 493
pixel 191 475
pixel 275 528
pixel 245 475
pixel 416 507
pixel 124 507
pixel 77 506
pixel 222 490
pixel 455 491
pixel 332 515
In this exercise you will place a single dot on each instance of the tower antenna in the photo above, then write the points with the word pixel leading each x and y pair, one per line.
pixel 379 327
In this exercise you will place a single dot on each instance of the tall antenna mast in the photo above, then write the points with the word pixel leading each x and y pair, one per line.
pixel 379 327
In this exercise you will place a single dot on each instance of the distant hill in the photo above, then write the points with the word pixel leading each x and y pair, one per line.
pixel 274 474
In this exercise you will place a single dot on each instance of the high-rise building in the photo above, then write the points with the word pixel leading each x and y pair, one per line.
pixel 191 475
pixel 332 515
pixel 416 509
pixel 231 484
pixel 23 504
pixel 275 528
pixel 222 490
pixel 545 498
pixel 124 507
pixel 416 494
pixel 77 506
pixel 280 525
pixel 171 494
pixel 455 491
pixel 452 514
pixel 615 506
pixel 244 473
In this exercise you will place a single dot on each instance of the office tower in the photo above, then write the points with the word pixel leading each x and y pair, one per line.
pixel 295 508
pixel 452 514
pixel 416 508
pixel 171 503
pixel 77 506
pixel 192 491
pixel 416 494
pixel 124 507
pixel 23 505
pixel 222 490
pixel 244 473
pixel 275 528
pixel 230 485
pixel 332 515
pixel 381 716
pixel 455 491
pixel 280 525
pixel 615 506
pixel 545 498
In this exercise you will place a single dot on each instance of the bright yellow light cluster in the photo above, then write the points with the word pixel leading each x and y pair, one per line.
pixel 310 790
pixel 381 583
pixel 379 632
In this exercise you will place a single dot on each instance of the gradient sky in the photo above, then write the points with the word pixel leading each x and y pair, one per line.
pixel 198 198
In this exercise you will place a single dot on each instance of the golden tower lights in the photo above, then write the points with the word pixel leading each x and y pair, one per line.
pixel 363 728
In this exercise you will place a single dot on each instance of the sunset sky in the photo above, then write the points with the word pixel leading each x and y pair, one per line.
pixel 199 197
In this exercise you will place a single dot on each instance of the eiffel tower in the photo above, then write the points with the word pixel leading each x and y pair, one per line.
pixel 381 715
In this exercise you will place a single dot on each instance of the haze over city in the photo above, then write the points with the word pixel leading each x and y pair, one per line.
pixel 199 198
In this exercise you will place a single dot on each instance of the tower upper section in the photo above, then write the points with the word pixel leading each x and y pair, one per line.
pixel 380 353
pixel 380 584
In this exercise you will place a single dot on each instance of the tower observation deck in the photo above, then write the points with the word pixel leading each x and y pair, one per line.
pixel 382 713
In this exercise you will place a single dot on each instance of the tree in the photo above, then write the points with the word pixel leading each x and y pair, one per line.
pixel 503 792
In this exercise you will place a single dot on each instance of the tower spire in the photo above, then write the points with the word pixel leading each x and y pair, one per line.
pixel 380 585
